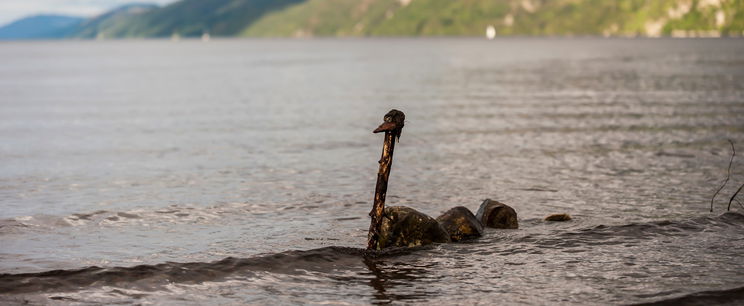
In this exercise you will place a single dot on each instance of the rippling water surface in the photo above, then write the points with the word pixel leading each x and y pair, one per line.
pixel 242 171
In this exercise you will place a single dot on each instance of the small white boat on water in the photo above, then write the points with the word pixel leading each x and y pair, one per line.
pixel 490 32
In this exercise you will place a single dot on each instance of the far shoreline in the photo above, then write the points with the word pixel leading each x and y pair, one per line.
pixel 372 38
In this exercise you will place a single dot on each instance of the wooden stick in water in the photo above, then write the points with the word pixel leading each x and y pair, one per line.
pixel 393 126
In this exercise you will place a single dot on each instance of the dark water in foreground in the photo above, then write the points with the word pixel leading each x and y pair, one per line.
pixel 241 171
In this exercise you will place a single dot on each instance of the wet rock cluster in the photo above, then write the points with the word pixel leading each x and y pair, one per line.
pixel 407 227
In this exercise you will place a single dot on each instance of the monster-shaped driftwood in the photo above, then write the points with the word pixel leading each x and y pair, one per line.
pixel 399 226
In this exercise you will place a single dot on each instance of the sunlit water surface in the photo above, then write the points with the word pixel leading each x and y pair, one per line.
pixel 190 172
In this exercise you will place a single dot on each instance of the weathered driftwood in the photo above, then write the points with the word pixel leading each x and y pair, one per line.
pixel 406 227
pixel 393 127
pixel 497 215
pixel 399 226
pixel 461 224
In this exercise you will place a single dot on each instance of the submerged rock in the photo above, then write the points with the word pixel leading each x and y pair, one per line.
pixel 497 215
pixel 406 227
pixel 558 217
pixel 461 224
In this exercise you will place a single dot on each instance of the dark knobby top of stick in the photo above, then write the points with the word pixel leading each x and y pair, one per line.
pixel 393 122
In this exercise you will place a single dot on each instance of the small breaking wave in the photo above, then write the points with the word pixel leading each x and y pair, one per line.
pixel 157 276
pixel 714 297
pixel 154 277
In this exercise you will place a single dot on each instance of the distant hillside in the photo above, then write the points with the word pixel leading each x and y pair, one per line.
pixel 508 17
pixel 307 18
pixel 40 27
pixel 114 23
pixel 186 18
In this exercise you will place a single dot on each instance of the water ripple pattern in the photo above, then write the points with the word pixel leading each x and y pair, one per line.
pixel 242 171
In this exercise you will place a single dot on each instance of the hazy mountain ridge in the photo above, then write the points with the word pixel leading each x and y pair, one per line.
pixel 41 27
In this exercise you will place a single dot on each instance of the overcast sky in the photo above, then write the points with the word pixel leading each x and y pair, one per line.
pixel 10 10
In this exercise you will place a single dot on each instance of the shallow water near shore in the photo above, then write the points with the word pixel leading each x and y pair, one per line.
pixel 242 171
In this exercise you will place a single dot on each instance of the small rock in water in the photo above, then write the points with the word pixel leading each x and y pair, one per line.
pixel 558 217
pixel 461 224
pixel 406 227
pixel 497 215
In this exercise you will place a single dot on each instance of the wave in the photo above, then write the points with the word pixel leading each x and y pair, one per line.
pixel 153 277
pixel 633 232
pixel 172 214
pixel 714 297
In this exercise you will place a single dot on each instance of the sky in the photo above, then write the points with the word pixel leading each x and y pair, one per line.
pixel 11 10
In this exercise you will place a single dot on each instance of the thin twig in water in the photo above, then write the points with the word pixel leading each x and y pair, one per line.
pixel 734 196
pixel 728 175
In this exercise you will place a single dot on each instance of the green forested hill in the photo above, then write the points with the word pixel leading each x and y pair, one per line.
pixel 299 18
pixel 113 23
pixel 508 17
pixel 185 17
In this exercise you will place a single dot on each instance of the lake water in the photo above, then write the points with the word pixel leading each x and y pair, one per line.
pixel 242 171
